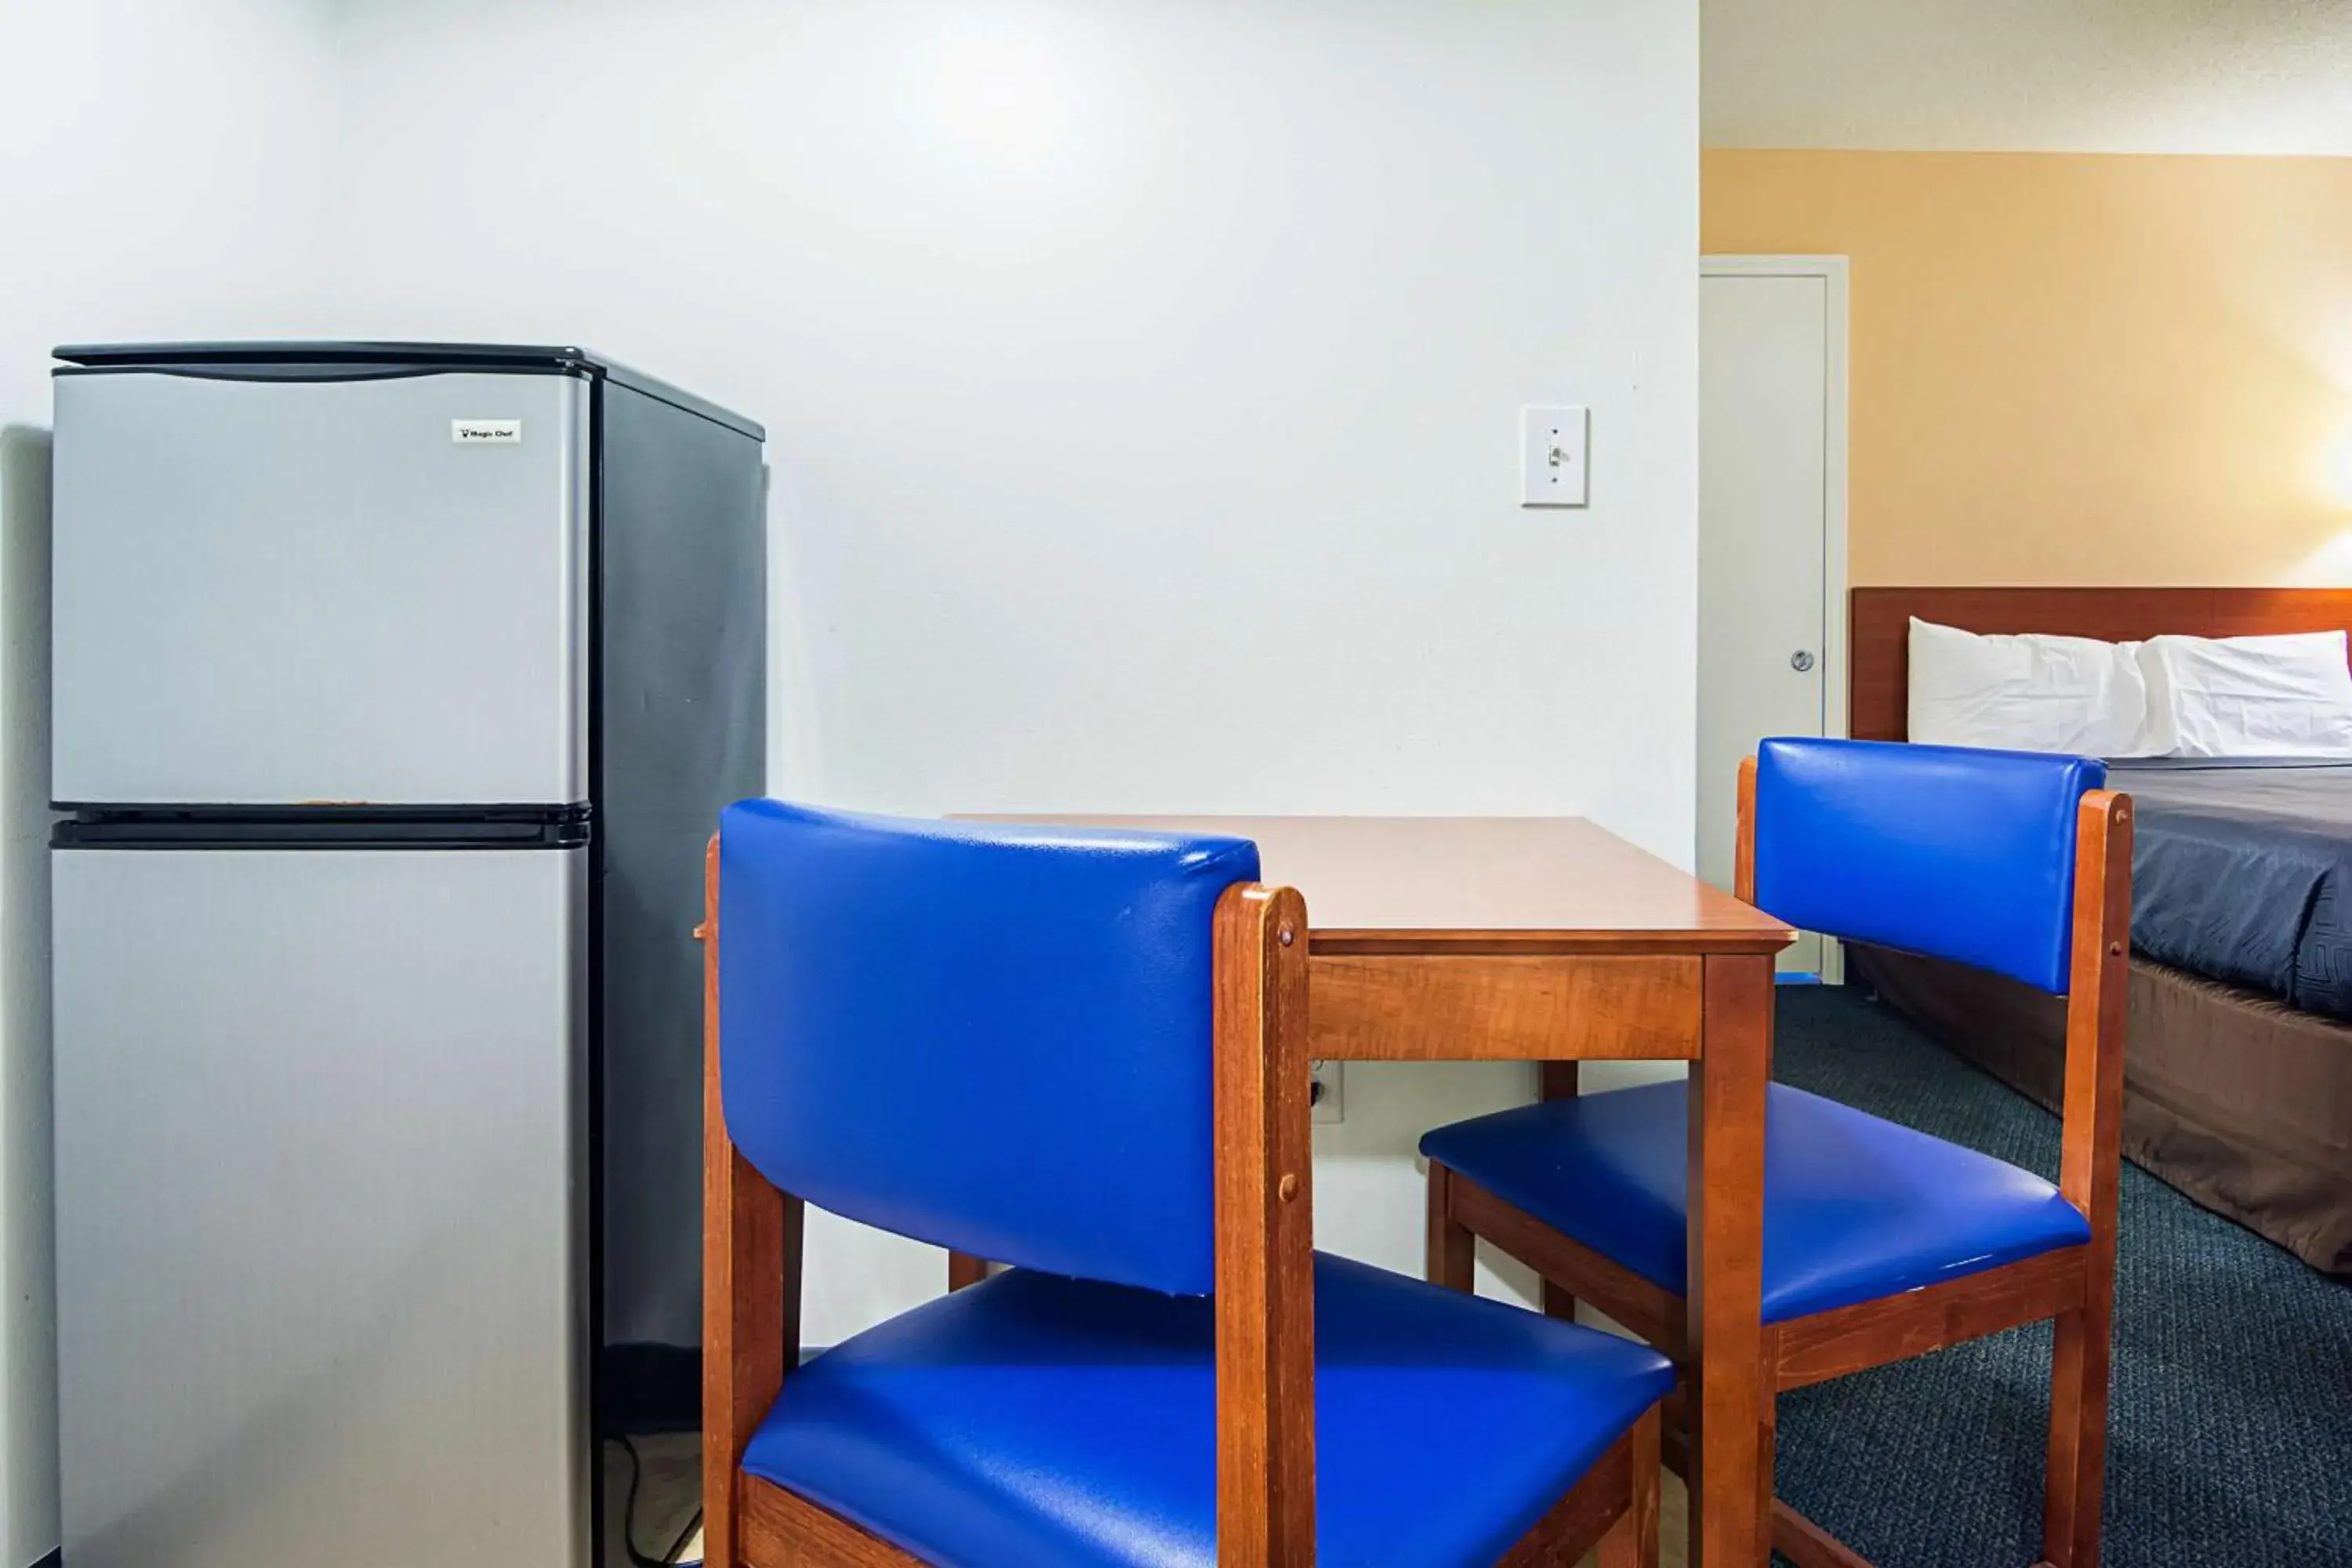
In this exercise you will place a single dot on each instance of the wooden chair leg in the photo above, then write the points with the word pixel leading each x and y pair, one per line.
pixel 751 1238
pixel 1632 1540
pixel 2082 1348
pixel 1453 1250
pixel 1794 1536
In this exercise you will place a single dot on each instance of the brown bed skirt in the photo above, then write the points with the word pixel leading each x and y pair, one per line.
pixel 2240 1102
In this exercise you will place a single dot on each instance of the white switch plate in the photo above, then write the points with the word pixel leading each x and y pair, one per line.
pixel 1552 453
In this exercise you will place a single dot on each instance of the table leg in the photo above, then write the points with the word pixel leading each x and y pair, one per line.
pixel 1558 1081
pixel 1730 1459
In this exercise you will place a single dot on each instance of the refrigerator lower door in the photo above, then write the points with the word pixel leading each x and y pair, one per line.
pixel 320 1207
pixel 294 592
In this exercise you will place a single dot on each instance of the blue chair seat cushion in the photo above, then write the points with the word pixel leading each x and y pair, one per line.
pixel 1052 1422
pixel 1855 1208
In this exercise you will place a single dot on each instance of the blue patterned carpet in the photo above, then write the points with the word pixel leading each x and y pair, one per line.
pixel 2231 1432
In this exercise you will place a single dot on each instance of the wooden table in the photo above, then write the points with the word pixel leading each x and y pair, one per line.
pixel 1549 939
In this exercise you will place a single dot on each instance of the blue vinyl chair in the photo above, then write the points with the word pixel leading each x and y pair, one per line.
pixel 1082 1054
pixel 1879 1242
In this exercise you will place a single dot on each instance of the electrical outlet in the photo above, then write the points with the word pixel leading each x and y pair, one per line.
pixel 1325 1092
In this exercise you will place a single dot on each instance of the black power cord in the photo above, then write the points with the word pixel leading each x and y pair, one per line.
pixel 629 1520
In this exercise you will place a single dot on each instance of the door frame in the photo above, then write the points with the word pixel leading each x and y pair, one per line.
pixel 1832 271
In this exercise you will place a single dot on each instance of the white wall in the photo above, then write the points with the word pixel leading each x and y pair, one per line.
pixel 2031 76
pixel 1142 382
pixel 161 175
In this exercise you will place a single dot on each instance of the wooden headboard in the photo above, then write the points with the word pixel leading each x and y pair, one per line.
pixel 1878 651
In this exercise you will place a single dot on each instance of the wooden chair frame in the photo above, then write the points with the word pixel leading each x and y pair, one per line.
pixel 2075 1286
pixel 1264 1301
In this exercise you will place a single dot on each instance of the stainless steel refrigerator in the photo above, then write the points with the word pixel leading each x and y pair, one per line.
pixel 395 689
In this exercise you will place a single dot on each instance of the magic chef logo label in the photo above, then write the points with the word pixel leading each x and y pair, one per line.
pixel 485 432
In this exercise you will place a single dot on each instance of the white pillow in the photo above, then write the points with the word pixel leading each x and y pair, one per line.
pixel 2028 693
pixel 2249 697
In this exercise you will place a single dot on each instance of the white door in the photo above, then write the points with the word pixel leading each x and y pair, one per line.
pixel 1772 552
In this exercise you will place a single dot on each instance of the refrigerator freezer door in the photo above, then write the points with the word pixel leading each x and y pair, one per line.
pixel 274 592
pixel 320 1209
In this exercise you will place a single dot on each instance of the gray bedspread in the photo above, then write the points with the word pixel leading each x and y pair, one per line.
pixel 2241 871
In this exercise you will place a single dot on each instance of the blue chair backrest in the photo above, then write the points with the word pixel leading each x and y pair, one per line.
pixel 994 1039
pixel 1943 850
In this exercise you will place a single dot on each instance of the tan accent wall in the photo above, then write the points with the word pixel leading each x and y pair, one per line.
pixel 2079 369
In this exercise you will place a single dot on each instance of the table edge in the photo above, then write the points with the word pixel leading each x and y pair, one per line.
pixel 1387 943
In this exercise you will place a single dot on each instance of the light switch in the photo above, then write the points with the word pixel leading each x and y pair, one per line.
pixel 1552 444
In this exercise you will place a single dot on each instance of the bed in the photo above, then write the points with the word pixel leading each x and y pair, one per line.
pixel 2238 1061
